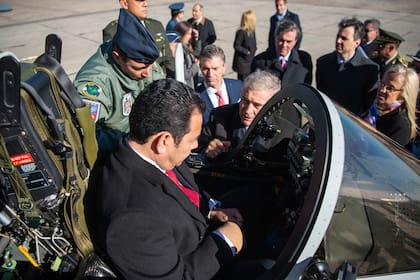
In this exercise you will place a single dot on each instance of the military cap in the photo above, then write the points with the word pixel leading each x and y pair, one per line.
pixel 178 6
pixel 134 40
pixel 415 57
pixel 389 37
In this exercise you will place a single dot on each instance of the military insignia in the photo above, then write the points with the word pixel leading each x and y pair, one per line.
pixel 92 89
pixel 159 37
pixel 127 102
pixel 403 61
pixel 94 109
pixel 373 55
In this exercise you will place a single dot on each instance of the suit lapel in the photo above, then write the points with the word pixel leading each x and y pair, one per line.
pixel 293 66
pixel 205 97
pixel 159 179
pixel 235 123
pixel 172 190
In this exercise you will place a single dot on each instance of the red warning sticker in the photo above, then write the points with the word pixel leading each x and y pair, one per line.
pixel 21 159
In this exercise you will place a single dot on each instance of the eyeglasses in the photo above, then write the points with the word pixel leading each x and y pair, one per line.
pixel 369 30
pixel 387 88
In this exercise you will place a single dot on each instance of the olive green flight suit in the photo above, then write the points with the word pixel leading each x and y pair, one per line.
pixel 110 93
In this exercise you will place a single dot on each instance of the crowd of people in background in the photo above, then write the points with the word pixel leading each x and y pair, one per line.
pixel 149 123
pixel 349 75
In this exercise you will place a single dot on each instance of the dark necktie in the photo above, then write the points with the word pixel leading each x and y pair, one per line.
pixel 191 194
pixel 220 101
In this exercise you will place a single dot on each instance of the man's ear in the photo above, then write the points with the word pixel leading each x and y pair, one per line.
pixel 163 141
pixel 392 47
pixel 116 57
pixel 123 4
pixel 224 68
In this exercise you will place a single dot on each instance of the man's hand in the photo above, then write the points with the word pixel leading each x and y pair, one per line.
pixel 216 147
pixel 234 233
pixel 224 215
pixel 194 34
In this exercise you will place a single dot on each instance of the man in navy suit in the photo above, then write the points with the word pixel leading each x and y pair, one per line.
pixel 282 12
pixel 289 64
pixel 145 213
pixel 227 124
pixel 215 90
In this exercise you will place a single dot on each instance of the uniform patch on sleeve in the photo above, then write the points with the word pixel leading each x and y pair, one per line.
pixel 94 109
pixel 127 102
pixel 92 89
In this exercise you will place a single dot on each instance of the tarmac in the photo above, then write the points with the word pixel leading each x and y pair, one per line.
pixel 79 24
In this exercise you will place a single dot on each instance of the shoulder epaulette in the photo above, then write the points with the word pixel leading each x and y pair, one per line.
pixel 403 61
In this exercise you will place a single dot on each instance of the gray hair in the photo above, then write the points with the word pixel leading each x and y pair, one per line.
pixel 286 25
pixel 211 51
pixel 375 23
pixel 262 80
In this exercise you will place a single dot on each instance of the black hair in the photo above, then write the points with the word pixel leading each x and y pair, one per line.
pixel 164 105
pixel 359 28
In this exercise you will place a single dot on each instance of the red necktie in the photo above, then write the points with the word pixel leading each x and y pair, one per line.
pixel 191 194
pixel 220 101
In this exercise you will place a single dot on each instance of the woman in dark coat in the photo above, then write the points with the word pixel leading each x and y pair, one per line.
pixel 245 45
pixel 394 110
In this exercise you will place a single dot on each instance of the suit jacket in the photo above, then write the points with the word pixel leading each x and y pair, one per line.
pixel 206 31
pixel 371 50
pixel 224 124
pixel 273 24
pixel 233 88
pixel 298 69
pixel 145 225
pixel 352 84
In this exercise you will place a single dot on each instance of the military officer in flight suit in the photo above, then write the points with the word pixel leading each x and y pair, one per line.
pixel 155 27
pixel 114 76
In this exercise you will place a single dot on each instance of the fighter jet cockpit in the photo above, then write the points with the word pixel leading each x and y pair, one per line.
pixel 282 153
pixel 338 197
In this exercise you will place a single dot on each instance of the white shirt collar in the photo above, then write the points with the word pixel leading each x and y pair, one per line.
pixel 285 57
pixel 340 60
pixel 213 97
pixel 146 159
pixel 389 60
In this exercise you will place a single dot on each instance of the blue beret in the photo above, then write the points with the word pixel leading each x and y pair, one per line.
pixel 176 6
pixel 134 40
